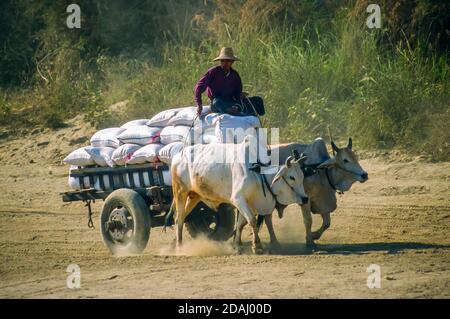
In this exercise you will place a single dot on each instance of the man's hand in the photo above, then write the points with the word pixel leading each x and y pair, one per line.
pixel 199 110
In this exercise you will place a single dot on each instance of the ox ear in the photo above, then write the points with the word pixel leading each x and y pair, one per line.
pixel 334 146
pixel 328 163
pixel 350 142
pixel 283 169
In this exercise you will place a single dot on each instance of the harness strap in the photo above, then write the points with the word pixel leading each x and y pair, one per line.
pixel 262 184
pixel 331 183
pixel 329 179
pixel 264 181
pixel 308 170
pixel 270 189
pixel 311 169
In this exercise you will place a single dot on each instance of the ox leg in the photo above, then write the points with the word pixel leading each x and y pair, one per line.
pixel 307 220
pixel 192 201
pixel 273 238
pixel 186 204
pixel 326 222
pixel 241 222
pixel 180 202
pixel 243 208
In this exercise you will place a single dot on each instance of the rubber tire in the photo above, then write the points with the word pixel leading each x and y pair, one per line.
pixel 138 209
pixel 226 217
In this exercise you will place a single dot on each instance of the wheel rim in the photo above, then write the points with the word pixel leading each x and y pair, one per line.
pixel 216 225
pixel 120 225
pixel 209 221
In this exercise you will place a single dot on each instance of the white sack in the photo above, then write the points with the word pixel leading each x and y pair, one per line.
pixel 116 180
pixel 141 135
pixel 137 182
pixel 163 117
pixel 167 177
pixel 205 124
pixel 172 134
pixel 123 153
pixel 74 182
pixel 79 157
pixel 186 115
pixel 135 123
pixel 167 180
pixel 102 156
pixel 233 129
pixel 148 153
pixel 210 139
pixel 107 137
pixel 166 153
pixel 210 119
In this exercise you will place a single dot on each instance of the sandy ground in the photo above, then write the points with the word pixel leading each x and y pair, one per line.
pixel 399 220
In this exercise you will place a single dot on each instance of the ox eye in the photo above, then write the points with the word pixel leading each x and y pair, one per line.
pixel 292 178
pixel 345 160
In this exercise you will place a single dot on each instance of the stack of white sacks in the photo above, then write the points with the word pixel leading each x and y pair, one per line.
pixel 154 140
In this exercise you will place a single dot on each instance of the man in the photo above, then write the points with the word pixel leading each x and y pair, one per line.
pixel 223 86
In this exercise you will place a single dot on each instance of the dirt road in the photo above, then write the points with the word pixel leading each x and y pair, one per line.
pixel 399 220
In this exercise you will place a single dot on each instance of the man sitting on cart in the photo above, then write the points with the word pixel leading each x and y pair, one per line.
pixel 223 86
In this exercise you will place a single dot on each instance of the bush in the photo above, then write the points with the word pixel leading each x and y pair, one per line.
pixel 315 63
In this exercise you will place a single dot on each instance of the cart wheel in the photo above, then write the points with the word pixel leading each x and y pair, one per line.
pixel 215 225
pixel 125 222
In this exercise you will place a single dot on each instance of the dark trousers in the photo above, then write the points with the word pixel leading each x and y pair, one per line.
pixel 221 105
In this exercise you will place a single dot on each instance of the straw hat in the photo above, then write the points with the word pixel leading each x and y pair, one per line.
pixel 226 54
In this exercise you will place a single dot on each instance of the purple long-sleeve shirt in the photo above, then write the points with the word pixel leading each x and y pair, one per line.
pixel 217 84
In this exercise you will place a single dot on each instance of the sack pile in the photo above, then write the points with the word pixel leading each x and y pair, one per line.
pixel 155 140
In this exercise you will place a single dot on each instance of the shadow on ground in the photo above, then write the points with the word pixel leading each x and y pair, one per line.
pixel 351 249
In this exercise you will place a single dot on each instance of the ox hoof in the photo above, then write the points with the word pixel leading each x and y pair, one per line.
pixel 239 249
pixel 275 248
pixel 315 235
pixel 258 250
pixel 310 244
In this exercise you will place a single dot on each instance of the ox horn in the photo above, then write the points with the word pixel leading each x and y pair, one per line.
pixel 289 161
pixel 334 146
pixel 302 158
pixel 350 142
pixel 299 158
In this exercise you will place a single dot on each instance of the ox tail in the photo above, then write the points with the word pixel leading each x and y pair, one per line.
pixel 168 220
pixel 259 221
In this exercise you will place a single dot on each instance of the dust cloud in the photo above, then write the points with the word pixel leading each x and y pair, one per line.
pixel 199 246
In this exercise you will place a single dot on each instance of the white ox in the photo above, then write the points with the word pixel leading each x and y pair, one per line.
pixel 200 173
pixel 327 175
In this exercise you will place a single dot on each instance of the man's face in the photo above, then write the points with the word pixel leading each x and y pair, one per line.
pixel 226 64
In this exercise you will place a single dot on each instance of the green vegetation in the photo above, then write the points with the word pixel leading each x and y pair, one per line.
pixel 315 63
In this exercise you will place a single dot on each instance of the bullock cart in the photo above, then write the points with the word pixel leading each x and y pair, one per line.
pixel 130 209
